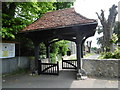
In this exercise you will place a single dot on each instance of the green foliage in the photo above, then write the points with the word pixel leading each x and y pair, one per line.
pixel 94 48
pixel 117 30
pixel 62 5
pixel 63 47
pixel 114 38
pixel 108 55
pixel 60 47
pixel 42 49
pixel 53 57
pixel 17 15
pixel 7 32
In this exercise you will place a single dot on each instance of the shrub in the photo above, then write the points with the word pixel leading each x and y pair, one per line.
pixel 53 57
pixel 114 55
pixel 60 47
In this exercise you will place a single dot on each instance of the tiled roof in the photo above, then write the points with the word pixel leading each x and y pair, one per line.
pixel 59 18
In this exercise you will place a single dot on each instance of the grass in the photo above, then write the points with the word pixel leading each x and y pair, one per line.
pixel 88 54
pixel 72 57
pixel 100 57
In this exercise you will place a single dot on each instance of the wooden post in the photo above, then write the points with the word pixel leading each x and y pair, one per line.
pixel 79 43
pixel 80 72
pixel 82 50
pixel 36 49
pixel 78 47
pixel 39 67
pixel 82 46
pixel 57 68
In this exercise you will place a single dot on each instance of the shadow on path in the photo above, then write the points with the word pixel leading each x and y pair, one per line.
pixel 66 79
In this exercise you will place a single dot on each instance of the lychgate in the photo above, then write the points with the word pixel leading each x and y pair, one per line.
pixel 63 24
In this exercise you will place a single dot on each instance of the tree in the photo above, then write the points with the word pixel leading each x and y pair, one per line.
pixel 62 5
pixel 17 15
pixel 100 42
pixel 60 47
pixel 89 46
pixel 94 49
pixel 117 30
pixel 108 26
pixel 115 35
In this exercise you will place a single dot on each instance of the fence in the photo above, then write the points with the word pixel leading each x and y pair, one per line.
pixel 48 68
pixel 69 64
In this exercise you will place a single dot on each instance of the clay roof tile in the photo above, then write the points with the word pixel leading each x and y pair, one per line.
pixel 59 18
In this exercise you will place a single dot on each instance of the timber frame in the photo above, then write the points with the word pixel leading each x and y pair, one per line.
pixel 76 33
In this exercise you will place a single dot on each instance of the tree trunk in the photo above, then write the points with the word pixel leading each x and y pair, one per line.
pixel 9 8
pixel 12 8
pixel 108 26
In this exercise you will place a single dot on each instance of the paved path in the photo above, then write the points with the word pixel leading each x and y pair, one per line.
pixel 68 57
pixel 93 56
pixel 66 79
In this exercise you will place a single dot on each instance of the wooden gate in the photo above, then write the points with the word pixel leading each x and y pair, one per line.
pixel 69 64
pixel 48 68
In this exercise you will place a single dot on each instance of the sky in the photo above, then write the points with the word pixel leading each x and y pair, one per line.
pixel 88 8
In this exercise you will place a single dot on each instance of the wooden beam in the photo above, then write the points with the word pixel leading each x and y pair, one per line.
pixel 4 41
pixel 67 38
pixel 73 40
pixel 54 41
pixel 82 44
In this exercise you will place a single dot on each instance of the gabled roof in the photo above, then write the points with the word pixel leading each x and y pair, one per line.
pixel 59 18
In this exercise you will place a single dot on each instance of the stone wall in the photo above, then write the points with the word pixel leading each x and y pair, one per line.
pixel 93 67
pixel 102 68
pixel 13 64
